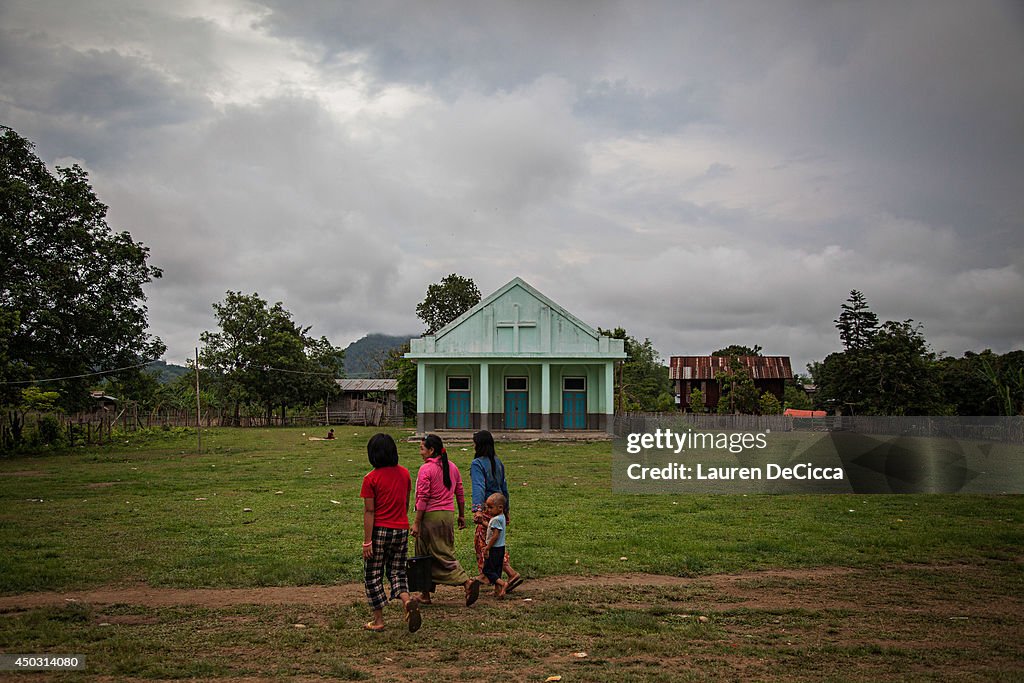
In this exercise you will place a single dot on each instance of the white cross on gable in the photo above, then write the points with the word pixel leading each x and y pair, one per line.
pixel 515 325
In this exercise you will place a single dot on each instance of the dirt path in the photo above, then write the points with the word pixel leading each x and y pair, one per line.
pixel 831 587
pixel 886 623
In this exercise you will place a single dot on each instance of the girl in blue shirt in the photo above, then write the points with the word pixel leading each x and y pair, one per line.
pixel 488 476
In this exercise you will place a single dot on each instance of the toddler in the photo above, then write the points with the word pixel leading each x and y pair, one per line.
pixel 494 546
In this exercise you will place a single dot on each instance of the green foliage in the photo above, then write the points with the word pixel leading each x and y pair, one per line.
pixel 48 431
pixel 261 356
pixel 738 350
pixel 34 398
pixel 885 370
pixel 72 289
pixel 446 301
pixel 1007 380
pixel 857 325
pixel 795 397
pixel 769 404
pixel 739 394
pixel 396 366
pixel 696 402
pixel 642 382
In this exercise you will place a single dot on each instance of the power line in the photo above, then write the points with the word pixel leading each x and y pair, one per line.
pixel 90 374
pixel 301 372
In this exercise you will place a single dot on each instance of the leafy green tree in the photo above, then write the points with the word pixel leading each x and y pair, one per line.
pixel 262 356
pixel 396 366
pixel 795 397
pixel 1006 377
pixel 738 350
pixel 857 324
pixel 696 401
pixel 886 369
pixel 71 297
pixel 642 382
pixel 446 301
pixel 769 404
pixel 739 395
pixel 903 378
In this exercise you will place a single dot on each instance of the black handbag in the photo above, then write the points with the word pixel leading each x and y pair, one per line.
pixel 418 572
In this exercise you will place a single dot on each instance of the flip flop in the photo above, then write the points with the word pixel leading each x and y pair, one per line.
pixel 513 584
pixel 473 594
pixel 370 626
pixel 413 616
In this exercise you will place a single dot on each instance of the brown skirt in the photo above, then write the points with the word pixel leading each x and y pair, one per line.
pixel 437 539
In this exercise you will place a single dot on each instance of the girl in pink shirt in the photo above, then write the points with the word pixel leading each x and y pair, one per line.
pixel 438 488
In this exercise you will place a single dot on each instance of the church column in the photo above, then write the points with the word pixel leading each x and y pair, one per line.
pixel 609 395
pixel 421 395
pixel 545 397
pixel 485 396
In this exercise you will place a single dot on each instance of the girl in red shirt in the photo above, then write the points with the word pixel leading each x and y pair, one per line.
pixel 385 495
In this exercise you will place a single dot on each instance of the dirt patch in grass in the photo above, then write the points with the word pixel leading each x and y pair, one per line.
pixel 24 473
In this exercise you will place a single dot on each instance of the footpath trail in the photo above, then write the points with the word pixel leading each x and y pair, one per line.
pixel 813 588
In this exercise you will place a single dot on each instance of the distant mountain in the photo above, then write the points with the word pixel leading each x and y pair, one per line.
pixel 166 373
pixel 362 357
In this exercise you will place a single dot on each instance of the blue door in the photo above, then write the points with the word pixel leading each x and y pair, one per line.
pixel 458 410
pixel 574 410
pixel 516 406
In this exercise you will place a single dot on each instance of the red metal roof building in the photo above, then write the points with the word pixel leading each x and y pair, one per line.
pixel 700 372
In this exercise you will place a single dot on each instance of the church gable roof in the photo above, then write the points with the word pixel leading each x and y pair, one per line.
pixel 516 320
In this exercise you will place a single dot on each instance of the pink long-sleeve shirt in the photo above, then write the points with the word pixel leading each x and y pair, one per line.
pixel 430 491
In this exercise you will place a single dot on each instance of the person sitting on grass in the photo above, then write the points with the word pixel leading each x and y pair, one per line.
pixel 385 493
pixel 494 545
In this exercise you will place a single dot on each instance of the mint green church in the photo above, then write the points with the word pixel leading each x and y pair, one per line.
pixel 516 360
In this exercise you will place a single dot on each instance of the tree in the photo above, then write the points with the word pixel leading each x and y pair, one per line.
pixel 769 404
pixel 738 350
pixel 857 325
pixel 642 383
pixel 262 356
pixel 397 366
pixel 696 401
pixel 794 396
pixel 885 370
pixel 446 301
pixel 1006 378
pixel 71 297
pixel 739 394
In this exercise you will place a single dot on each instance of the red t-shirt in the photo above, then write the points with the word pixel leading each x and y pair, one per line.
pixel 389 487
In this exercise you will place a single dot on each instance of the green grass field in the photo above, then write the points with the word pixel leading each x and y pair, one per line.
pixel 271 508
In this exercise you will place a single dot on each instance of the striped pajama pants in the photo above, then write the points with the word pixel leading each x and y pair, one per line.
pixel 390 552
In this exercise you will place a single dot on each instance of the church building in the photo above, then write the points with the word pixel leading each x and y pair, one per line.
pixel 516 360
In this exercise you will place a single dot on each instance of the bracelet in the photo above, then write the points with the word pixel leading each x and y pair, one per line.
pixel 367 545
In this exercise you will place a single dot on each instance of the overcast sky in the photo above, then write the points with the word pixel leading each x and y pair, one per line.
pixel 701 173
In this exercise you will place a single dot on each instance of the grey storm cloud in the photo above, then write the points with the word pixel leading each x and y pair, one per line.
pixel 700 173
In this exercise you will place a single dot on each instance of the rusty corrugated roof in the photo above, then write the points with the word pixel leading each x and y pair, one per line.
pixel 368 384
pixel 708 367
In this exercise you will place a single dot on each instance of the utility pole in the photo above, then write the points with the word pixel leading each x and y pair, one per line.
pixel 199 411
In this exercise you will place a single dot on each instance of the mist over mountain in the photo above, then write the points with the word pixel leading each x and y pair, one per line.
pixel 364 356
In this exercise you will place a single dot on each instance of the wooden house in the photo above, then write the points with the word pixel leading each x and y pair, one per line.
pixel 366 402
pixel 701 372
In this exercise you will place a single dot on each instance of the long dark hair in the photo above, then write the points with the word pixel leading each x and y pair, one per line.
pixel 432 442
pixel 381 451
pixel 483 442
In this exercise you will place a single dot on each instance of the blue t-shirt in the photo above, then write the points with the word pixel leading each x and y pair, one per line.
pixel 497 526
